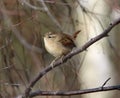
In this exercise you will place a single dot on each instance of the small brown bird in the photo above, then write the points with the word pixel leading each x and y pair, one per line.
pixel 58 44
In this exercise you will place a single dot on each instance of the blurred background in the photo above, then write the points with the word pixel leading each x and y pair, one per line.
pixel 23 24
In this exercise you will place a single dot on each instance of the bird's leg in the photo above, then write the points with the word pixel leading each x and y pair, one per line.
pixel 52 63
pixel 61 60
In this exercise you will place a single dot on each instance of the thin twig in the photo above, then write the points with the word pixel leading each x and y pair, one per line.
pixel 18 35
pixel 50 15
pixel 30 5
pixel 105 82
pixel 72 53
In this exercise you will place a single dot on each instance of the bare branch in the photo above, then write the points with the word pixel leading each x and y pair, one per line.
pixel 105 82
pixel 50 15
pixel 44 8
pixel 72 53
pixel 18 35
pixel 77 92
pixel 31 6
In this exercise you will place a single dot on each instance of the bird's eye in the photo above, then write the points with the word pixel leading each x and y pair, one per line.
pixel 49 36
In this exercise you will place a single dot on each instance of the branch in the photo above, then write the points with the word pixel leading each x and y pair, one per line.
pixel 106 82
pixel 44 8
pixel 30 5
pixel 78 92
pixel 17 33
pixel 50 15
pixel 72 53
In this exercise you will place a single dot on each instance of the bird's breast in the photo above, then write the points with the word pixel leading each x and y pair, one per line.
pixel 55 48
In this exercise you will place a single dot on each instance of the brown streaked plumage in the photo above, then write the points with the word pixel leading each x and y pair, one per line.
pixel 58 44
